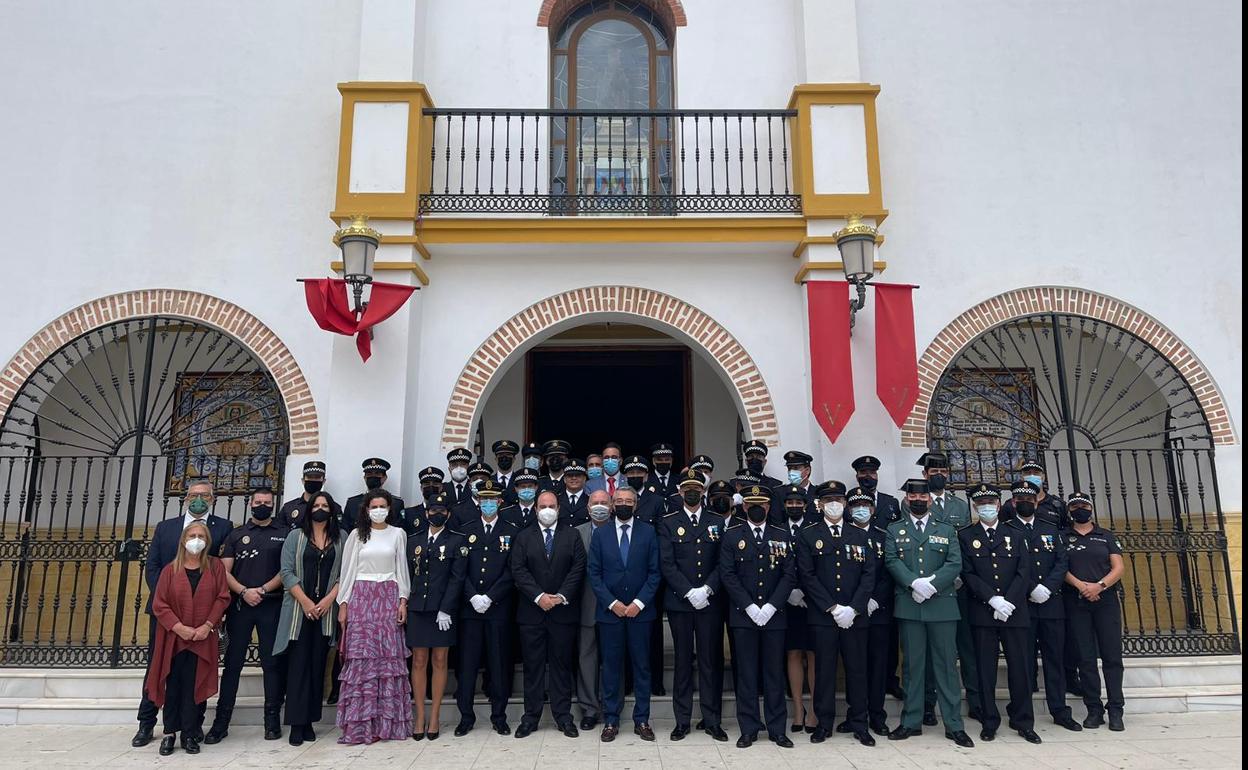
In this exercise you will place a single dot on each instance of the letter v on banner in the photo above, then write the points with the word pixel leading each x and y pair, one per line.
pixel 896 360
pixel 831 372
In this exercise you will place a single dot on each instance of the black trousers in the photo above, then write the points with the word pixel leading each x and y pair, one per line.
pixel 759 648
pixel 147 709
pixel 487 642
pixel 879 637
pixel 892 680
pixel 240 621
pixel 1014 640
pixel 182 713
pixel 704 631
pixel 305 674
pixel 548 649
pixel 848 645
pixel 1048 638
pixel 1097 627
pixel 656 642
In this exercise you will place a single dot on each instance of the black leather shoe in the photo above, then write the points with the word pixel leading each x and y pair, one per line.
pixel 502 729
pixel 432 736
pixel 1029 736
pixel 589 723
pixel 463 728
pixel 896 692
pixel 216 735
pixel 745 741
pixel 141 738
pixel 865 738
pixel 987 735
pixel 782 741
pixel 1115 723
pixel 308 733
pixel 1068 723
pixel 166 745
pixel 296 737
pixel 796 728
pixel 1094 721
pixel 680 733
pixel 929 718
pixel 272 733
pixel 569 729
pixel 880 729
pixel 844 727
pixel 902 733
pixel 418 736
pixel 819 735
pixel 961 738
pixel 716 732
pixel 524 730
pixel 190 744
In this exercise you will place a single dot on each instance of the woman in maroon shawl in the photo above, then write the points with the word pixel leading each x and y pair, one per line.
pixel 190 598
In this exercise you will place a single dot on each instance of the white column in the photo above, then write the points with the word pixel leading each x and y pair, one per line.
pixel 392 40
pixel 827 41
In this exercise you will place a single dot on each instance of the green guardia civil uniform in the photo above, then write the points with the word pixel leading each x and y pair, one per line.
pixel 956 511
pixel 933 624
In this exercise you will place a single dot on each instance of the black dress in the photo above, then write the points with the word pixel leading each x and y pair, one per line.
pixel 306 654
pixel 181 712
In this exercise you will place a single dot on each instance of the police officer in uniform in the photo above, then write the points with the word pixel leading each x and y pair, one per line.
pixel 574 498
pixel 475 504
pixel 886 510
pixel 293 511
pixel 700 463
pixel 879 612
pixel 431 485
pixel 504 460
pixel 923 556
pixel 755 453
pixel 1094 610
pixel 799 644
pixel 798 465
pixel 1044 603
pixel 457 489
pixel 252 557
pixel 555 454
pixel 719 500
pixel 996 568
pixel 486 619
pixel 1049 508
pixel 651 503
pixel 836 569
pixel 531 457
pixel 663 479
pixel 375 470
pixel 757 569
pixel 523 512
pixel 689 560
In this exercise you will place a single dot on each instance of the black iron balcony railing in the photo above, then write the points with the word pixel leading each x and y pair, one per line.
pixel 621 162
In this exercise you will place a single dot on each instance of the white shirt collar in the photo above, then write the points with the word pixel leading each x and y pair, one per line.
pixel 917 519
pixel 691 512
pixel 188 518
pixel 987 528
pixel 756 528
pixel 620 525
pixel 488 523
pixel 832 524
pixel 797 523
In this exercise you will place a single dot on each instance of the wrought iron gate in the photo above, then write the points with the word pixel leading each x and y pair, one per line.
pixel 97 448
pixel 1107 414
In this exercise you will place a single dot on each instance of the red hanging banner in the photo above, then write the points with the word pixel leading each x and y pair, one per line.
pixel 896 360
pixel 327 301
pixel 831 371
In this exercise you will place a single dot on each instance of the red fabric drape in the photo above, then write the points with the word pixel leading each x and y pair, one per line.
pixel 327 301
pixel 831 372
pixel 896 361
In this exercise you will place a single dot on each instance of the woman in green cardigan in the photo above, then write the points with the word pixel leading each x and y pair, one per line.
pixel 310 562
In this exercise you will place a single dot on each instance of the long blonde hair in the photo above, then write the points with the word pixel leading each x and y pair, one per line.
pixel 205 558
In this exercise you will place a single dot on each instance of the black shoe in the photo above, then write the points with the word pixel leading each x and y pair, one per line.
pixel 975 714
pixel 961 738
pixel 745 741
pixel 1074 689
pixel 716 732
pixel 141 738
pixel 463 728
pixel 680 732
pixel 433 736
pixel 819 735
pixel 844 727
pixel 418 736
pixel 569 729
pixel 902 733
pixel 332 700
pixel 701 725
pixel 1094 721
pixel 296 737
pixel 896 692
pixel 796 728
pixel 190 744
pixel 216 735
pixel 658 691
pixel 1029 735
pixel 865 738
pixel 880 729
pixel 272 733
pixel 929 718
pixel 167 743
pixel 1068 723
pixel 987 735
pixel 589 723
pixel 525 730
pixel 501 728
pixel 644 731
pixel 308 733
pixel 782 741
pixel 1115 723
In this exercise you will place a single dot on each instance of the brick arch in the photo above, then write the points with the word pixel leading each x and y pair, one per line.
pixel 246 328
pixel 553 12
pixel 1056 299
pixel 529 326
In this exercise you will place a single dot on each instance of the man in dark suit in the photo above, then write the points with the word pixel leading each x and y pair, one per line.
pixel 574 499
pixel 879 612
pixel 886 509
pixel 651 502
pixel 555 455
pixel 757 569
pixel 457 488
pixel 624 574
pixel 663 478
pixel 589 672
pixel 548 565
pixel 375 470
pixel 161 551
pixel 504 460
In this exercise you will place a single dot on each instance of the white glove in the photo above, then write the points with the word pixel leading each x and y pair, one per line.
pixel 698 597
pixel 844 616
pixel 957 583
pixel 924 586
pixel 1000 616
pixel 765 613
pixel 999 604
pixel 480 603
pixel 918 597
pixel 444 621
pixel 737 499
pixel 1040 594
pixel 797 598
pixel 872 606
pixel 755 614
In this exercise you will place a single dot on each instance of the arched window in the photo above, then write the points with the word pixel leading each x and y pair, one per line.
pixel 612 58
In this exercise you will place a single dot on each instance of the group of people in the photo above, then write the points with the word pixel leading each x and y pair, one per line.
pixel 574 563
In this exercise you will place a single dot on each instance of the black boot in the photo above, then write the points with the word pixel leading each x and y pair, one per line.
pixel 272 723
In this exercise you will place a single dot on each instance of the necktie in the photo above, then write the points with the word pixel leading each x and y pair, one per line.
pixel 459 492
pixel 663 480
pixel 992 533
pixel 550 542
pixel 793 530
pixel 694 518
pixel 919 524
pixel 488 527
pixel 624 543
pixel 940 504
pixel 758 535
pixel 574 498
pixel 431 539
pixel 611 486
pixel 836 530
pixel 1029 526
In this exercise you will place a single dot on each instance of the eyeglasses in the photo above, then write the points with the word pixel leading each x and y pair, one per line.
pixel 198 496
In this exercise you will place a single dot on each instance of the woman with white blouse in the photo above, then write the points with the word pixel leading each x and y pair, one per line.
pixel 376 699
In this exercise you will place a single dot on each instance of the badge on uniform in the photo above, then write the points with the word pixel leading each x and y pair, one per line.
pixel 472 538
pixel 246 539
pixel 938 540
pixel 976 544
pixel 740 545
pixel 819 545
pixel 1008 545
pixel 680 531
pixel 713 532
pixel 504 543
pixel 463 550
pixel 1047 540
pixel 441 553
pixel 901 532
pixel 859 555
pixel 419 548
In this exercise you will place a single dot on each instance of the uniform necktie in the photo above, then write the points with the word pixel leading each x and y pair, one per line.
pixel 992 533
pixel 919 524
pixel 940 505
pixel 574 498
pixel 488 527
pixel 1029 526
pixel 459 491
pixel 758 535
pixel 624 543
pixel 836 530
pixel 611 486
pixel 550 542
pixel 793 530
pixel 663 480
pixel 694 518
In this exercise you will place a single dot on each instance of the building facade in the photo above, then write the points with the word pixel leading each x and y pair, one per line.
pixel 611 209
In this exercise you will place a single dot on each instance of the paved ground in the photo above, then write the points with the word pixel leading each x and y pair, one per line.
pixel 1205 740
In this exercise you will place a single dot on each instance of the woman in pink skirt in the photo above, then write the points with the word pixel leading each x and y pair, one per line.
pixel 376 700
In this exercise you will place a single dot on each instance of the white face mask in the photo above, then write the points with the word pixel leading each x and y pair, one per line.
pixel 599 513
pixel 378 515
pixel 834 510
pixel 987 513
pixel 547 516
pixel 459 473
pixel 195 545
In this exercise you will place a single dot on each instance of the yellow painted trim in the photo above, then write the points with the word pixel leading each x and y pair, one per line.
pixel 807 95
pixel 826 239
pixel 411 240
pixel 419 136
pixel 412 266
pixel 435 230
pixel 809 266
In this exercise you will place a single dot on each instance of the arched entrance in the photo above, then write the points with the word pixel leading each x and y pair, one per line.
pixel 117 415
pixel 1113 406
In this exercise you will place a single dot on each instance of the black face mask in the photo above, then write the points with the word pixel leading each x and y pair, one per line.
pixel 1025 507
pixel 755 465
pixel 795 513
pixel 692 497
pixel 662 468
pixel 312 487
pixel 373 482
pixel 721 504
pixel 1081 515
pixel 636 482
pixel 756 514
pixel 937 481
pixel 430 491
pixel 261 512
pixel 867 483
pixel 504 462
pixel 556 463
pixel 320 515
pixel 918 507
pixel 623 512
pixel 437 519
